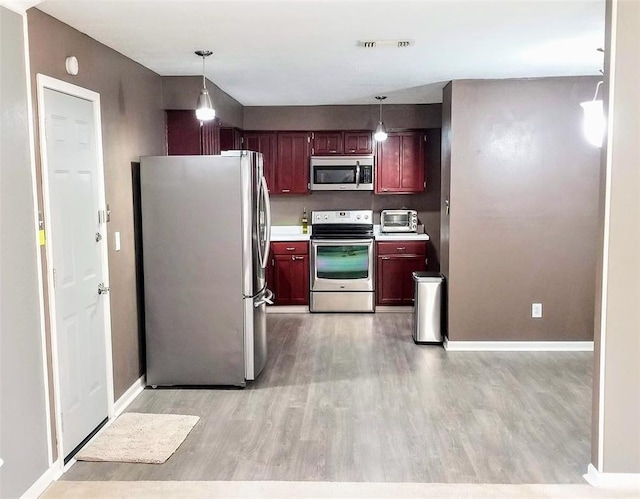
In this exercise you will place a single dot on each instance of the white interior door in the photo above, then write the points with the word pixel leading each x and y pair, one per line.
pixel 76 239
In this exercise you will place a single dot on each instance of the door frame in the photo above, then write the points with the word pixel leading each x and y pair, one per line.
pixel 46 82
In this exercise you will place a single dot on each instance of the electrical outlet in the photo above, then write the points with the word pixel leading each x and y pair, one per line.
pixel 536 310
pixel 117 238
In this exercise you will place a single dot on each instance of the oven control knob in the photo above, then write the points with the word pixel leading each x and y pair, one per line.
pixel 326 217
pixel 357 217
pixel 366 217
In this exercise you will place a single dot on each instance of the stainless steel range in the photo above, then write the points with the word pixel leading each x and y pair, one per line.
pixel 342 261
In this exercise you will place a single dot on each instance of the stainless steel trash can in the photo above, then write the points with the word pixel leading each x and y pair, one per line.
pixel 428 307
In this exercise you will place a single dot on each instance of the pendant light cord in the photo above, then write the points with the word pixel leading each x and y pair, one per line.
pixel 204 85
pixel 595 96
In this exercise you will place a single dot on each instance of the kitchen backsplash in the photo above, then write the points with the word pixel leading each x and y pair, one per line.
pixel 287 210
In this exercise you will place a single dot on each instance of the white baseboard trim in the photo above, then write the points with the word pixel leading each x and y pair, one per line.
pixel 518 346
pixel 127 397
pixel 627 481
pixel 288 309
pixel 40 485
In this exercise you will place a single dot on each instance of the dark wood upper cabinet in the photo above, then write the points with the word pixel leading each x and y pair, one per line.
pixel 400 165
pixel 186 135
pixel 183 133
pixel 210 137
pixel 292 168
pixel 337 142
pixel 327 143
pixel 230 139
pixel 358 142
pixel 267 144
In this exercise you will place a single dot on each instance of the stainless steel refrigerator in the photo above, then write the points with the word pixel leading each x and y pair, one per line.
pixel 205 240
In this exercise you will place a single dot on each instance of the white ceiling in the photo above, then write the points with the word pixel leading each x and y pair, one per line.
pixel 304 52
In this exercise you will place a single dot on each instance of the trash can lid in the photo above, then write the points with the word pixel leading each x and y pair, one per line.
pixel 427 276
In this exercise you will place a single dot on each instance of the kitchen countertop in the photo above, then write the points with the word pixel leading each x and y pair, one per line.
pixel 288 233
pixel 294 233
pixel 403 236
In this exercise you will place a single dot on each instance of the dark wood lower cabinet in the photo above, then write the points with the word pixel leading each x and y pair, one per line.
pixel 395 263
pixel 290 273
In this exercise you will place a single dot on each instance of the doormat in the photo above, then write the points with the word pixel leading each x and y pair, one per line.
pixel 139 438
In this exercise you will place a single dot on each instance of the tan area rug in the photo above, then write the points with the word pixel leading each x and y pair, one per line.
pixel 272 490
pixel 139 438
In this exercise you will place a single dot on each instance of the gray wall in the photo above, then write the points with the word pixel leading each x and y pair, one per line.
pixel 342 117
pixel 616 410
pixel 181 92
pixel 524 210
pixel 23 434
pixel 132 126
pixel 287 210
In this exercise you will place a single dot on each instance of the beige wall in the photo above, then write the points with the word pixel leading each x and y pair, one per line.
pixel 524 210
pixel 132 126
pixel 181 92
pixel 616 441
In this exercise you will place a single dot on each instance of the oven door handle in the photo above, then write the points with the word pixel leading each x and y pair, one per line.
pixel 341 242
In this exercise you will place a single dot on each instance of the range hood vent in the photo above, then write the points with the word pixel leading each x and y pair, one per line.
pixel 374 44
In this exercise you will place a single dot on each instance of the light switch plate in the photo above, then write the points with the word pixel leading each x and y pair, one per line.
pixel 536 310
pixel 117 236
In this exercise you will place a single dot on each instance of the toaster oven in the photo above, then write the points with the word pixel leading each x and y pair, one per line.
pixel 398 221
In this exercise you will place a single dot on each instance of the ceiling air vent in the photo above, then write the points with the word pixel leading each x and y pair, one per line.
pixel 374 44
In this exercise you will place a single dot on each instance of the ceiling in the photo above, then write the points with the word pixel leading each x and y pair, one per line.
pixel 304 52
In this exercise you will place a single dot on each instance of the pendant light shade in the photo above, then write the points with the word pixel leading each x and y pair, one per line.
pixel 380 135
pixel 594 122
pixel 204 107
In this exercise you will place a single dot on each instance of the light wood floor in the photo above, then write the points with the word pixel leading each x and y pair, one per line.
pixel 352 398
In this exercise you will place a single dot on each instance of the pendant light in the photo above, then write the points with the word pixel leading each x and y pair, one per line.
pixel 380 135
pixel 204 108
pixel 594 122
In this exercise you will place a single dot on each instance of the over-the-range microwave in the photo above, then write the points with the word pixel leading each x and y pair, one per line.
pixel 341 173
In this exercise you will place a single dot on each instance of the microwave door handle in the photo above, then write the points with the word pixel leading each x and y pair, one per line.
pixel 357 174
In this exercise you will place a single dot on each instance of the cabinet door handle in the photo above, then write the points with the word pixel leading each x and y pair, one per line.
pixel 294 257
pixel 290 249
pixel 402 248
pixel 286 190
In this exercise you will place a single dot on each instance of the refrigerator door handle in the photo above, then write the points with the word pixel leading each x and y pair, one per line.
pixel 267 211
pixel 267 297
